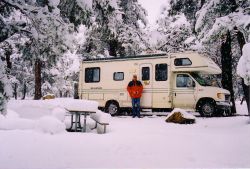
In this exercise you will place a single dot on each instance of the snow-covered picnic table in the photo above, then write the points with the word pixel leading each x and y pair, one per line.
pixel 76 114
pixel 77 108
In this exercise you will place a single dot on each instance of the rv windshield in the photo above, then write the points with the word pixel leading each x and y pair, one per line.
pixel 200 79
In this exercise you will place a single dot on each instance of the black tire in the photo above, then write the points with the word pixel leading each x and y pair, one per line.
pixel 207 108
pixel 112 108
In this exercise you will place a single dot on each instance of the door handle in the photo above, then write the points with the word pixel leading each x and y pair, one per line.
pixel 174 94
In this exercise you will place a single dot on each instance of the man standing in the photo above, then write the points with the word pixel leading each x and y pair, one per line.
pixel 135 89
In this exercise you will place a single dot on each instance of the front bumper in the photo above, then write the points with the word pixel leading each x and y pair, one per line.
pixel 223 105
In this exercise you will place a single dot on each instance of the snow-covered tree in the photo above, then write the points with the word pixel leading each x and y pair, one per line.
pixel 176 33
pixel 103 30
pixel 177 25
pixel 243 70
pixel 132 37
pixel 49 34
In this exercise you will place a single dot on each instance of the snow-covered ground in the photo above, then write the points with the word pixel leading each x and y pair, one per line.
pixel 149 142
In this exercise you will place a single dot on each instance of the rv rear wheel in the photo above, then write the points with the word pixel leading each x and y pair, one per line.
pixel 112 108
pixel 207 109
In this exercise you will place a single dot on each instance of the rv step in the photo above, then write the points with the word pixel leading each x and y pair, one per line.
pixel 155 113
pixel 146 110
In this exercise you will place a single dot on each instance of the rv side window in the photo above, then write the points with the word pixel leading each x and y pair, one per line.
pixel 118 76
pixel 161 72
pixel 183 80
pixel 92 75
pixel 145 71
pixel 182 62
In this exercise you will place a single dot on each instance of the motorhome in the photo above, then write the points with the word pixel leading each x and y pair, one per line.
pixel 170 81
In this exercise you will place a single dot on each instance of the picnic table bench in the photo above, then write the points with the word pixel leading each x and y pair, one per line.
pixel 101 123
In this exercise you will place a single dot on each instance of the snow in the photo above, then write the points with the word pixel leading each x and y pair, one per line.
pixel 50 124
pixel 12 114
pixel 101 117
pixel 47 124
pixel 59 113
pixel 243 68
pixel 80 105
pixel 54 3
pixel 181 20
pixel 12 121
pixel 36 109
pixel 189 40
pixel 86 4
pixel 148 142
pixel 183 113
pixel 44 115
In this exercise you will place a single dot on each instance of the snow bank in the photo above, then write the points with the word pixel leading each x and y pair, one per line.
pixel 59 113
pixel 12 121
pixel 2 117
pixel 243 68
pixel 35 109
pixel 50 124
pixel 12 114
pixel 47 124
pixel 17 124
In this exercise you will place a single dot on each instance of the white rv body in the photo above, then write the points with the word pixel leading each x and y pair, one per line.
pixel 106 80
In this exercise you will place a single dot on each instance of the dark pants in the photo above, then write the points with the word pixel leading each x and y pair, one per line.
pixel 136 107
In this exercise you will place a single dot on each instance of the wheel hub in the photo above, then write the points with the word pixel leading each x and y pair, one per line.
pixel 207 109
pixel 112 109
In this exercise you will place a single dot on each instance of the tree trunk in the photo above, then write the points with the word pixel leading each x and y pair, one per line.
pixel 8 62
pixel 76 96
pixel 38 80
pixel 226 61
pixel 15 91
pixel 113 48
pixel 24 90
pixel 242 42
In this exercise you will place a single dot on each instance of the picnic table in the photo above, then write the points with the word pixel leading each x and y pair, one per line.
pixel 77 114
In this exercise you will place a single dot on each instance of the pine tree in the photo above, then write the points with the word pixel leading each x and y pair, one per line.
pixel 176 32
pixel 226 61
pixel 103 29
pixel 132 39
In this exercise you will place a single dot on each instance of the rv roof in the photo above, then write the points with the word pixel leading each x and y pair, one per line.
pixel 126 57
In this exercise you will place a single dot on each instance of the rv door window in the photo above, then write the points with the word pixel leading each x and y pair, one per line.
pixel 183 80
pixel 145 71
pixel 161 72
pixel 118 76
pixel 92 75
pixel 182 62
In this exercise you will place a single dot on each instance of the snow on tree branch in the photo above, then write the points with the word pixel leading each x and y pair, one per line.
pixel 243 68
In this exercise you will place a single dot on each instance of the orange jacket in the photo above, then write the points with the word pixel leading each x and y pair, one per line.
pixel 135 89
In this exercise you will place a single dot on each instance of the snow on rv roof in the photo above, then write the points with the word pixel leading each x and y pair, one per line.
pixel 126 57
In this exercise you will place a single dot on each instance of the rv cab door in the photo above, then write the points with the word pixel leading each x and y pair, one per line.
pixel 184 91
pixel 146 77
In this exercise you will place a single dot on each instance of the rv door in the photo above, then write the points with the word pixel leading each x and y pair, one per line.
pixel 184 91
pixel 146 77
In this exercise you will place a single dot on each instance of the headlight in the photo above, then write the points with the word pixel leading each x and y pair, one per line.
pixel 220 95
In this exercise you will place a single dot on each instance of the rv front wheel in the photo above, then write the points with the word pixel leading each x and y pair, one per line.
pixel 207 109
pixel 112 108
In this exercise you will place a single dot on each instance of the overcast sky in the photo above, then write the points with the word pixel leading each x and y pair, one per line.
pixel 153 8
